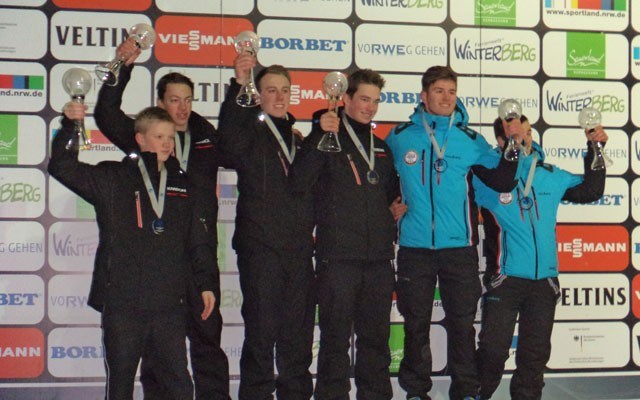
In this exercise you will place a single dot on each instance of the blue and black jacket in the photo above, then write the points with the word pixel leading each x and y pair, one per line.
pixel 441 212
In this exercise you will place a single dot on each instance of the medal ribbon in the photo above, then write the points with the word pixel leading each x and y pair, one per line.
pixel 183 154
pixel 532 172
pixel 157 202
pixel 371 160
pixel 432 136
pixel 290 155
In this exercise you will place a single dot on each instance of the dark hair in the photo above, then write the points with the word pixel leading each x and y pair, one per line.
pixel 275 69
pixel 498 129
pixel 172 77
pixel 436 73
pixel 366 76
pixel 151 115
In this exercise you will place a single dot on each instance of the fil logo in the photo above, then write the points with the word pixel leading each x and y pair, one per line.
pixel 586 55
pixel 8 139
pixel 495 12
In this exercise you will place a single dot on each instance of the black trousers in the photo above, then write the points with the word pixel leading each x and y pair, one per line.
pixel 208 361
pixel 456 272
pixel 354 294
pixel 278 309
pixel 157 336
pixel 535 303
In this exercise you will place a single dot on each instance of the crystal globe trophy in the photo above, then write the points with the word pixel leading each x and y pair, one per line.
pixel 248 42
pixel 589 118
pixel 508 110
pixel 144 36
pixel 335 85
pixel 77 83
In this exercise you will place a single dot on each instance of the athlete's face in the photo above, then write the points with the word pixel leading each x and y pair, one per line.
pixel 177 101
pixel 158 138
pixel 440 98
pixel 362 106
pixel 275 94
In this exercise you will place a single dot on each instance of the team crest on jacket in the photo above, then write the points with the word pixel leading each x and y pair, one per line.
pixel 505 198
pixel 411 157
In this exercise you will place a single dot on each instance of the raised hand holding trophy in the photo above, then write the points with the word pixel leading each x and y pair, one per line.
pixel 335 85
pixel 508 110
pixel 589 118
pixel 77 83
pixel 248 42
pixel 144 36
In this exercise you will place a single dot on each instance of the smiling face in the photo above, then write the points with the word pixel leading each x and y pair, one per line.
pixel 177 101
pixel 362 106
pixel 440 98
pixel 158 138
pixel 275 94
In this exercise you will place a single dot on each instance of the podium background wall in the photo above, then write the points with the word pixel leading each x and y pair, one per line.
pixel 555 56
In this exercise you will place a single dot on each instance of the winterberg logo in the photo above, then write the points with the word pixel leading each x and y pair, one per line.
pixel 495 12
pixel 586 55
pixel 8 139
pixel 574 102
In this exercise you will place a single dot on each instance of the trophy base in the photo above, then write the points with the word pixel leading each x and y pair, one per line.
pixel 106 75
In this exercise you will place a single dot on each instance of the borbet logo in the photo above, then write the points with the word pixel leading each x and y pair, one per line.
pixel 635 296
pixel 21 353
pixel 198 40
pixel 106 5
pixel 592 248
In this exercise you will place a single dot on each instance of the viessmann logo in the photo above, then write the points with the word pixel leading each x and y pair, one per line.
pixel 198 40
pixel 21 353
pixel 592 248
pixel 307 94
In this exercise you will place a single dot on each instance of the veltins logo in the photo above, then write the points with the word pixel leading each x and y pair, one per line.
pixel 495 51
pixel 592 248
pixel 22 139
pixel 495 12
pixel 589 345
pixel 600 296
pixel 21 246
pixel 21 299
pixel 72 246
pixel 612 207
pixel 198 40
pixel 75 353
pixel 22 193
pixel 21 353
pixel 635 296
pixel 396 345
pixel 305 44
pixel 67 300
pixel 586 53
pixel 115 5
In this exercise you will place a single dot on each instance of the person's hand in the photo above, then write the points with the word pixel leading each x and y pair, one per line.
pixel 74 111
pixel 397 208
pixel 128 51
pixel 597 134
pixel 329 122
pixel 243 64
pixel 209 301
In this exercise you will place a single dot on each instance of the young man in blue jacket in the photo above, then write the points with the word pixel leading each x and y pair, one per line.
pixel 522 265
pixel 434 154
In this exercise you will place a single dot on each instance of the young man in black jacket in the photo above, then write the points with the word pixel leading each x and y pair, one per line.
pixel 273 238
pixel 196 151
pixel 153 246
pixel 353 190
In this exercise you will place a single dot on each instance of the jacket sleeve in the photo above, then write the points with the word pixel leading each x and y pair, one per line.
pixel 88 181
pixel 204 261
pixel 502 178
pixel 236 126
pixel 592 186
pixel 111 120
pixel 308 164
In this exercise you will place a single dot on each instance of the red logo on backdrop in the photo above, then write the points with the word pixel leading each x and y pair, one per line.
pixel 382 130
pixel 107 5
pixel 635 296
pixel 98 137
pixel 592 248
pixel 307 94
pixel 198 40
pixel 21 353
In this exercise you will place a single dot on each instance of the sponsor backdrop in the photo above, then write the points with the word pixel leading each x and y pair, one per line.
pixel 555 56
